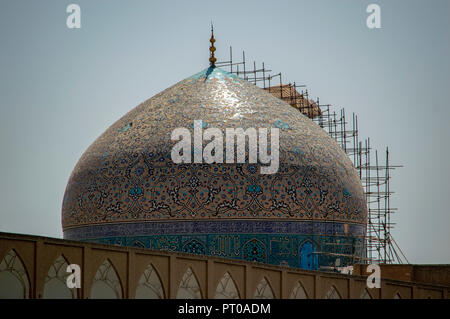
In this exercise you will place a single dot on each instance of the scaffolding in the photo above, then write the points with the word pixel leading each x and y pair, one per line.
pixel 378 244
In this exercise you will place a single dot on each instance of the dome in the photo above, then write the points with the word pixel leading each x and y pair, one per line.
pixel 127 190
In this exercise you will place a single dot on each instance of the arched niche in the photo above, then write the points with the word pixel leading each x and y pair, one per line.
pixel 263 290
pixel 189 287
pixel 298 292
pixel 333 293
pixel 14 282
pixel 365 294
pixel 397 296
pixel 149 285
pixel 55 286
pixel 226 289
pixel 106 283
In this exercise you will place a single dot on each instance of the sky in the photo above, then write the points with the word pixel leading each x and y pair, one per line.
pixel 60 88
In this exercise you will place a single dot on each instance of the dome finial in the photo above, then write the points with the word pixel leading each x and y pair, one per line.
pixel 212 48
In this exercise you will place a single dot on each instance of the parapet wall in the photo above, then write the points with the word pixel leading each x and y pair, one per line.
pixel 430 274
pixel 38 254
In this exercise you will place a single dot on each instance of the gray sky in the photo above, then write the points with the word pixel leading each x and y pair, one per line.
pixel 61 88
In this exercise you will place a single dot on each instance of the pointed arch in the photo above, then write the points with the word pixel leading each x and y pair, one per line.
pixel 106 283
pixel 55 286
pixel 14 282
pixel 194 246
pixel 263 290
pixel 365 294
pixel 226 289
pixel 333 293
pixel 308 257
pixel 298 292
pixel 189 287
pixel 149 285
pixel 255 250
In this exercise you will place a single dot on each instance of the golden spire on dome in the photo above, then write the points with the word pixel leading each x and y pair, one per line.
pixel 212 48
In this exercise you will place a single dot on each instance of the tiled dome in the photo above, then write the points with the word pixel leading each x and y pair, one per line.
pixel 125 189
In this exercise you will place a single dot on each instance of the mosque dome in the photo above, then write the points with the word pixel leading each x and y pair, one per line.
pixel 127 190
